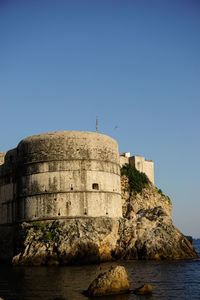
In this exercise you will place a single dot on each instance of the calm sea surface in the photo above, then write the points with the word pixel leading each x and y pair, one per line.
pixel 170 280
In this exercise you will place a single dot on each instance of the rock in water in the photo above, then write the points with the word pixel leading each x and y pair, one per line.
pixel 114 281
pixel 145 289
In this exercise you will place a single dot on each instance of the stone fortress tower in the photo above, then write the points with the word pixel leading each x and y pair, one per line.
pixel 58 175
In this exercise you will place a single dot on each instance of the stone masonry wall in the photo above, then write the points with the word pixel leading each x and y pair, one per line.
pixel 143 165
pixel 2 155
pixel 61 174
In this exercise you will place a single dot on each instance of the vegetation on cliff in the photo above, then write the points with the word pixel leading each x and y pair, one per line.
pixel 162 194
pixel 146 231
pixel 137 180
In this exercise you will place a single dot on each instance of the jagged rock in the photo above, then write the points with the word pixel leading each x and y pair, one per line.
pixel 152 236
pixel 114 281
pixel 147 199
pixel 145 289
pixel 189 238
pixel 145 232
pixel 67 241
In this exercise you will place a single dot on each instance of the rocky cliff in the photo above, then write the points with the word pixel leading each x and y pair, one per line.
pixel 71 241
pixel 146 231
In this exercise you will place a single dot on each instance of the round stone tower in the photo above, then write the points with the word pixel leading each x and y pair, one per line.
pixel 67 174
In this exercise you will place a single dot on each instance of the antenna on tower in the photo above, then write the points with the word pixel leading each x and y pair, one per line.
pixel 97 124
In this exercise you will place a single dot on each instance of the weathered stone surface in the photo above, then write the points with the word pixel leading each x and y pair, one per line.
pixel 72 241
pixel 2 156
pixel 145 289
pixel 150 234
pixel 145 232
pixel 6 243
pixel 114 281
pixel 189 238
pixel 71 181
pixel 58 175
pixel 149 198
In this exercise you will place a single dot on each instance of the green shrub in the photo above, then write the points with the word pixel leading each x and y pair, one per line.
pixel 169 200
pixel 137 180
pixel 37 225
pixel 49 236
pixel 162 194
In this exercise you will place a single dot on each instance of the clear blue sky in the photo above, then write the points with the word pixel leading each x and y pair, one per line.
pixel 133 63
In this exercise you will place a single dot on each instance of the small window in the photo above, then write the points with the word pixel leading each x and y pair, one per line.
pixel 85 211
pixel 95 186
pixel 71 187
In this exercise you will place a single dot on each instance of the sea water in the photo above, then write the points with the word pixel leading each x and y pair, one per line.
pixel 178 279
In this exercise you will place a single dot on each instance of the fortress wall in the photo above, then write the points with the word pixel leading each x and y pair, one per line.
pixel 6 192
pixel 6 243
pixel 8 187
pixel 68 145
pixel 69 205
pixel 61 174
pixel 137 162
pixel 149 170
pixel 69 193
pixel 2 155
pixel 7 202
pixel 142 165
pixel 67 181
pixel 123 160
pixel 69 165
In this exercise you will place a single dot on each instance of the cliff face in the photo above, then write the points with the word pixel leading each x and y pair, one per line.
pixel 71 241
pixel 146 231
pixel 149 198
